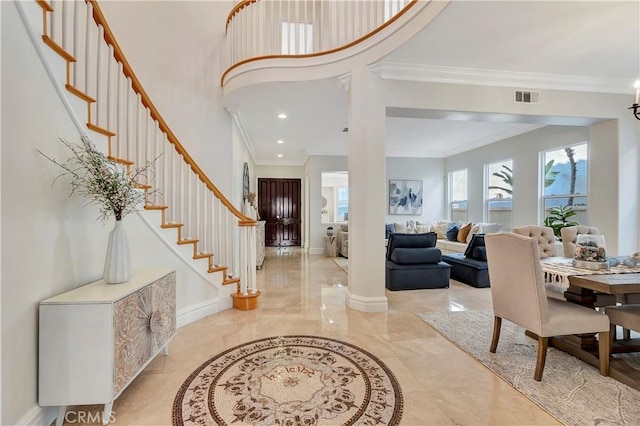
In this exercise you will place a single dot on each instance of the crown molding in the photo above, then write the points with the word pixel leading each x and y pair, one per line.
pixel 485 77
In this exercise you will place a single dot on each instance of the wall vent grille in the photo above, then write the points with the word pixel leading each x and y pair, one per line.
pixel 526 97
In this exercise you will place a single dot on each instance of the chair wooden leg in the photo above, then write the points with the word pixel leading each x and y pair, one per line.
pixel 497 323
pixel 543 343
pixel 604 350
pixel 612 335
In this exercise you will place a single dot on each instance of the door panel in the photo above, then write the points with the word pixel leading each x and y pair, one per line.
pixel 279 206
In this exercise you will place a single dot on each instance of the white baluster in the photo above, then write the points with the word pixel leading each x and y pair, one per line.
pixel 63 28
pixel 120 103
pixel 77 5
pixel 130 119
pixel 110 65
pixel 53 25
pixel 99 99
pixel 87 54
pixel 203 215
pixel 138 148
pixel 168 177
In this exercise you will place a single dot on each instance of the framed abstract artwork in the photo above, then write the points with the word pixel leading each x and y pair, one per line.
pixel 405 196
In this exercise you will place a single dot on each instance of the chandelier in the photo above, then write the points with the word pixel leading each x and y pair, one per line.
pixel 636 103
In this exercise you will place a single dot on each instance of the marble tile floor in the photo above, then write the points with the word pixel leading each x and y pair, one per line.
pixel 302 294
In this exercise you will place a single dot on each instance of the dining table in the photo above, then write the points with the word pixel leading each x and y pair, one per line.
pixel 581 286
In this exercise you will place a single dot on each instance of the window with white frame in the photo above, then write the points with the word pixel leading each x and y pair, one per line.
pixel 564 180
pixel 499 193
pixel 458 189
pixel 297 38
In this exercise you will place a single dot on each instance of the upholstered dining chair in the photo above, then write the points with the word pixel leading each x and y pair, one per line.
pixel 570 236
pixel 546 240
pixel 543 235
pixel 626 316
pixel 517 291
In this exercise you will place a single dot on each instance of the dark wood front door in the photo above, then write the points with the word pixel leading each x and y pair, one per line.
pixel 279 206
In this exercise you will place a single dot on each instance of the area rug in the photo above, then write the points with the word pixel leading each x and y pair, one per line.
pixel 342 262
pixel 572 391
pixel 290 380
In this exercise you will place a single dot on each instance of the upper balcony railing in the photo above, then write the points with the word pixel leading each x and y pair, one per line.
pixel 264 29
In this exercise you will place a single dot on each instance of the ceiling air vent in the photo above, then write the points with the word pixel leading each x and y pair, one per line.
pixel 526 97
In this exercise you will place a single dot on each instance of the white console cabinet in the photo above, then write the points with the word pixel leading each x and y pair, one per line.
pixel 95 339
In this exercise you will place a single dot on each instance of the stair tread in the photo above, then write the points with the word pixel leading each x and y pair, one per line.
pixel 171 225
pixel 230 281
pixel 154 207
pixel 202 255
pixel 218 269
pixel 102 131
pixel 188 241
pixel 120 160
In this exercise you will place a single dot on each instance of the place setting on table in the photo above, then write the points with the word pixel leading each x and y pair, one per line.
pixel 589 276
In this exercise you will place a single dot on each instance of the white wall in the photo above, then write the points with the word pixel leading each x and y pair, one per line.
pixel 431 172
pixel 175 54
pixel 50 242
pixel 524 150
pixel 241 155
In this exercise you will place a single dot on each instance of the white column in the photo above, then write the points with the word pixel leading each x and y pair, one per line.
pixel 367 192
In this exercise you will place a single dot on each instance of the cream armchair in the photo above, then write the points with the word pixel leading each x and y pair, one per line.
pixel 543 235
pixel 570 236
pixel 517 291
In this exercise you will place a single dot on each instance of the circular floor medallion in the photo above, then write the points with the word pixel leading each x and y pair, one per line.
pixel 290 380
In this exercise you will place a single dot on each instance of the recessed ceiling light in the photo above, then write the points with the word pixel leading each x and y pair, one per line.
pixel 280 141
pixel 281 115
pixel 280 155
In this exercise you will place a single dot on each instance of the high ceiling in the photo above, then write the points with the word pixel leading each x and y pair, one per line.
pixel 592 41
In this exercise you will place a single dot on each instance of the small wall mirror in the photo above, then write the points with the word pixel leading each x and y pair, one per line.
pixel 335 197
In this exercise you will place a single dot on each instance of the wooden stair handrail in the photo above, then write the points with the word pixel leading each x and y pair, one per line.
pixel 99 18
pixel 241 5
pixel 245 3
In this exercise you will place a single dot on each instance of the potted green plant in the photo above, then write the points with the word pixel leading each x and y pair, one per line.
pixel 559 218
pixel 114 189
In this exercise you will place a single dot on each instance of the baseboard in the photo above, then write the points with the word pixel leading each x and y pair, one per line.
pixel 197 311
pixel 366 304
pixel 316 250
pixel 38 416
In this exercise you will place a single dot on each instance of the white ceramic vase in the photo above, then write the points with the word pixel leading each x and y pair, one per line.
pixel 117 268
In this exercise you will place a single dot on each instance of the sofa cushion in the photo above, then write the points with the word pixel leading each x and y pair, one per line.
pixel 422 229
pixel 475 229
pixel 414 256
pixel 452 232
pixel 479 253
pixel 400 228
pixel 389 229
pixel 463 232
pixel 398 240
pixel 476 241
pixel 440 229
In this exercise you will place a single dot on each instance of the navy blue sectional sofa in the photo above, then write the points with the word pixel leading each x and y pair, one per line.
pixel 413 262
pixel 470 267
